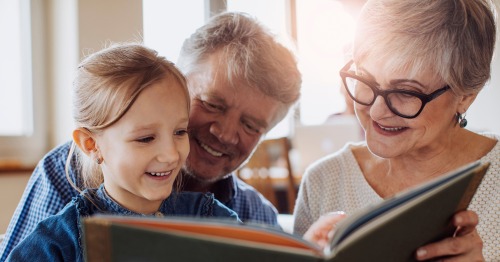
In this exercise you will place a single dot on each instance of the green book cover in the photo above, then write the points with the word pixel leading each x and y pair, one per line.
pixel 389 231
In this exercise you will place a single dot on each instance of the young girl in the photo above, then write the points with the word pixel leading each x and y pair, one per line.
pixel 131 109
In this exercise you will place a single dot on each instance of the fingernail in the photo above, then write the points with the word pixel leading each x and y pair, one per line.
pixel 458 219
pixel 421 252
pixel 336 213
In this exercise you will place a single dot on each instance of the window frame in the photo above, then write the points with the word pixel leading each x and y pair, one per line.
pixel 26 150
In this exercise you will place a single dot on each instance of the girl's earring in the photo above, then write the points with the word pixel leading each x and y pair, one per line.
pixel 462 122
pixel 98 157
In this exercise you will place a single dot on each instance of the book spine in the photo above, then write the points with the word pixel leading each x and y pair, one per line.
pixel 97 241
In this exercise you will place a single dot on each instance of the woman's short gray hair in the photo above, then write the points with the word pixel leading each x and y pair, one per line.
pixel 455 39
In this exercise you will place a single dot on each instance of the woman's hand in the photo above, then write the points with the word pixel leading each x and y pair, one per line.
pixel 466 245
pixel 321 231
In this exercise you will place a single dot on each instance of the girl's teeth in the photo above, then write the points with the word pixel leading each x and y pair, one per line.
pixel 158 174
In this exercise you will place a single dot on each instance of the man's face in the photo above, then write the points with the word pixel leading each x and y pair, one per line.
pixel 226 121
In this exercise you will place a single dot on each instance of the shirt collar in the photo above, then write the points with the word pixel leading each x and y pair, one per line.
pixel 110 205
pixel 225 190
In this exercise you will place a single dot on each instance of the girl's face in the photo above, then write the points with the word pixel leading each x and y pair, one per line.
pixel 144 150
pixel 389 135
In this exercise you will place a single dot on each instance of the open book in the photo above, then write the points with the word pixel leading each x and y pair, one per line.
pixel 389 231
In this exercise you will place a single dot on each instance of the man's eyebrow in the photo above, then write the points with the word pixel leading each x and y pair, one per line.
pixel 259 122
pixel 213 96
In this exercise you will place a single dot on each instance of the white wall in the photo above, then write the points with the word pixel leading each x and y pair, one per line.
pixel 482 115
pixel 11 187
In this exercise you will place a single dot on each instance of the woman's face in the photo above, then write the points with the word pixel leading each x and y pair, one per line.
pixel 391 136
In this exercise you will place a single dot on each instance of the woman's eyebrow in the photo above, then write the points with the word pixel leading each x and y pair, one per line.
pixel 399 81
pixel 391 82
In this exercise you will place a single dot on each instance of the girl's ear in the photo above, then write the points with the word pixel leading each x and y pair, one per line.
pixel 85 141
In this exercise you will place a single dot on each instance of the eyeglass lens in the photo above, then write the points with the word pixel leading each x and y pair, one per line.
pixel 400 103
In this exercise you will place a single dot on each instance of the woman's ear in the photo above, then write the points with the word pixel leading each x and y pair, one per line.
pixel 85 141
pixel 465 102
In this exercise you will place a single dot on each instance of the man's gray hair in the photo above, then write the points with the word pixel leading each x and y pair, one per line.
pixel 250 53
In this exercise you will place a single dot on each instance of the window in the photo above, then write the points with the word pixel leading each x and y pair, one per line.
pixel 166 24
pixel 324 30
pixel 15 112
pixel 22 134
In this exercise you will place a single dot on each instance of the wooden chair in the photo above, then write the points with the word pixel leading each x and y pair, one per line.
pixel 271 155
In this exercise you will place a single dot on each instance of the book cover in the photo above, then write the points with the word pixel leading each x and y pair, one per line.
pixel 389 231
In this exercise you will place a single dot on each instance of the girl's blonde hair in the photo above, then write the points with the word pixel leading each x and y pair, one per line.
pixel 106 85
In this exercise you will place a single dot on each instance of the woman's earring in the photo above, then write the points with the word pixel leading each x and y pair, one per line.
pixel 462 122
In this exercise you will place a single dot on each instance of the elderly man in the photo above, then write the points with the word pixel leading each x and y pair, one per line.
pixel 242 83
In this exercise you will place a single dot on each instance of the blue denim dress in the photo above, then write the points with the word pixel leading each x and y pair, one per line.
pixel 58 238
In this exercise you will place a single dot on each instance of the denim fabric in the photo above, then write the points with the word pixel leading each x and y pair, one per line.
pixel 48 191
pixel 57 238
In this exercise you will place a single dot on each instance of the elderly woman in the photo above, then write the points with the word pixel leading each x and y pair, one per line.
pixel 417 67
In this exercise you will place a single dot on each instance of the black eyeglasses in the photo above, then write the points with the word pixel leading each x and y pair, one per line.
pixel 401 102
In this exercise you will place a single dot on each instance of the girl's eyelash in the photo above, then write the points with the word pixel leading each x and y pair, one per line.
pixel 145 139
pixel 148 139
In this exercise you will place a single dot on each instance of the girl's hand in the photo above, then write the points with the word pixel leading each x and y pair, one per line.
pixel 321 231
pixel 465 245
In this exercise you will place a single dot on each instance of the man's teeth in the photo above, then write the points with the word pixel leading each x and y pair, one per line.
pixel 210 150
pixel 391 128
pixel 159 174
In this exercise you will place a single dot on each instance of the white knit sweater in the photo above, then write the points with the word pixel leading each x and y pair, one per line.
pixel 336 183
